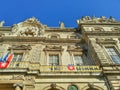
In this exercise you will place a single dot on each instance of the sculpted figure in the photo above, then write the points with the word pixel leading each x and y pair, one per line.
pixel 62 25
pixel 1 23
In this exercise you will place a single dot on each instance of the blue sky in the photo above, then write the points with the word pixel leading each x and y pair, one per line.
pixel 50 12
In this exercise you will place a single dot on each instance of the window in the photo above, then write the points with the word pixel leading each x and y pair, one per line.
pixel 53 60
pixel 72 87
pixel 17 57
pixel 112 52
pixel 78 60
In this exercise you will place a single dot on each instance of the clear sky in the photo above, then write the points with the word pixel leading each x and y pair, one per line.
pixel 50 12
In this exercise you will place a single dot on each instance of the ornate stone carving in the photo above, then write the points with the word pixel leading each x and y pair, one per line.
pixel 105 41
pixel 20 47
pixel 1 23
pixel 30 78
pixel 102 19
pixel 53 85
pixel 53 48
pixel 91 85
pixel 30 27
pixel 98 29
pixel 75 48
pixel 18 77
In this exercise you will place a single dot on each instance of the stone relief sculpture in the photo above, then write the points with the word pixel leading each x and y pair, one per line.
pixel 1 23
pixel 102 19
pixel 30 27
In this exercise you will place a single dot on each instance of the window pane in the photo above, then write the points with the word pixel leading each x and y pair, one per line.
pixel 53 60
pixel 17 57
pixel 113 54
pixel 78 60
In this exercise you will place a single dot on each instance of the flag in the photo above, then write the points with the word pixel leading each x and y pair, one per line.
pixel 70 67
pixel 5 61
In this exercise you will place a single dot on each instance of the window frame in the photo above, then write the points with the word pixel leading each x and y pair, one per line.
pixel 108 56
pixel 53 53
pixel 17 59
pixel 52 61
pixel 79 61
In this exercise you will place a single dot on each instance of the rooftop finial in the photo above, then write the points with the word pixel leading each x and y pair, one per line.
pixel 1 23
pixel 62 25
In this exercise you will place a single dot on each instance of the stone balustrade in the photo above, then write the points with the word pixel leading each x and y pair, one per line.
pixel 46 68
pixel 65 69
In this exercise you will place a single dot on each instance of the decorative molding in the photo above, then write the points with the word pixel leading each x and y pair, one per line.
pixel 17 77
pixel 20 47
pixel 74 49
pixel 105 41
pixel 29 28
pixel 53 48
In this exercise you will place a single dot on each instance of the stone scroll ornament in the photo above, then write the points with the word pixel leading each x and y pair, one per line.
pixel 5 60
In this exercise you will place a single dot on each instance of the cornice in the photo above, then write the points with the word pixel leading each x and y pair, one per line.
pixel 102 33
pixel 38 39
pixel 99 24
pixel 60 30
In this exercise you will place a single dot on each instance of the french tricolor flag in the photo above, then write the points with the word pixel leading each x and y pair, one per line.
pixel 5 61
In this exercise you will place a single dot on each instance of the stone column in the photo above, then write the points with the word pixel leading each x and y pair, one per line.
pixel 18 86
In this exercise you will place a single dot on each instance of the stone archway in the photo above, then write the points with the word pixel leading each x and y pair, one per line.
pixel 91 86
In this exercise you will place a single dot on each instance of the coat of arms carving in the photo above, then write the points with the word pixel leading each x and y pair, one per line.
pixel 30 27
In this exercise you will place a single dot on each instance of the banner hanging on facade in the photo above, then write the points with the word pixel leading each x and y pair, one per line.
pixel 5 60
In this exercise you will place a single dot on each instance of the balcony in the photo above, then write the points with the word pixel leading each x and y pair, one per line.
pixel 65 69
pixel 30 66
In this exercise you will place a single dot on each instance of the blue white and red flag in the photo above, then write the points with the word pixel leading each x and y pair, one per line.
pixel 5 60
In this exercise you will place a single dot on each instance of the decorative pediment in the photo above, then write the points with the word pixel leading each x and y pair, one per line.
pixel 20 47
pixel 102 19
pixel 105 41
pixel 53 48
pixel 75 48
pixel 30 27
pixel 97 29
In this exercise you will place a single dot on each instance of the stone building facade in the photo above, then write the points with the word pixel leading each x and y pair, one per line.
pixel 60 58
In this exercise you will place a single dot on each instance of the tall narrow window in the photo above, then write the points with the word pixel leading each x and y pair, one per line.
pixel 112 52
pixel 53 60
pixel 17 57
pixel 78 60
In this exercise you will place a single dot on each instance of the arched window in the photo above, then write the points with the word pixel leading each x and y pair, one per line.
pixel 72 87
